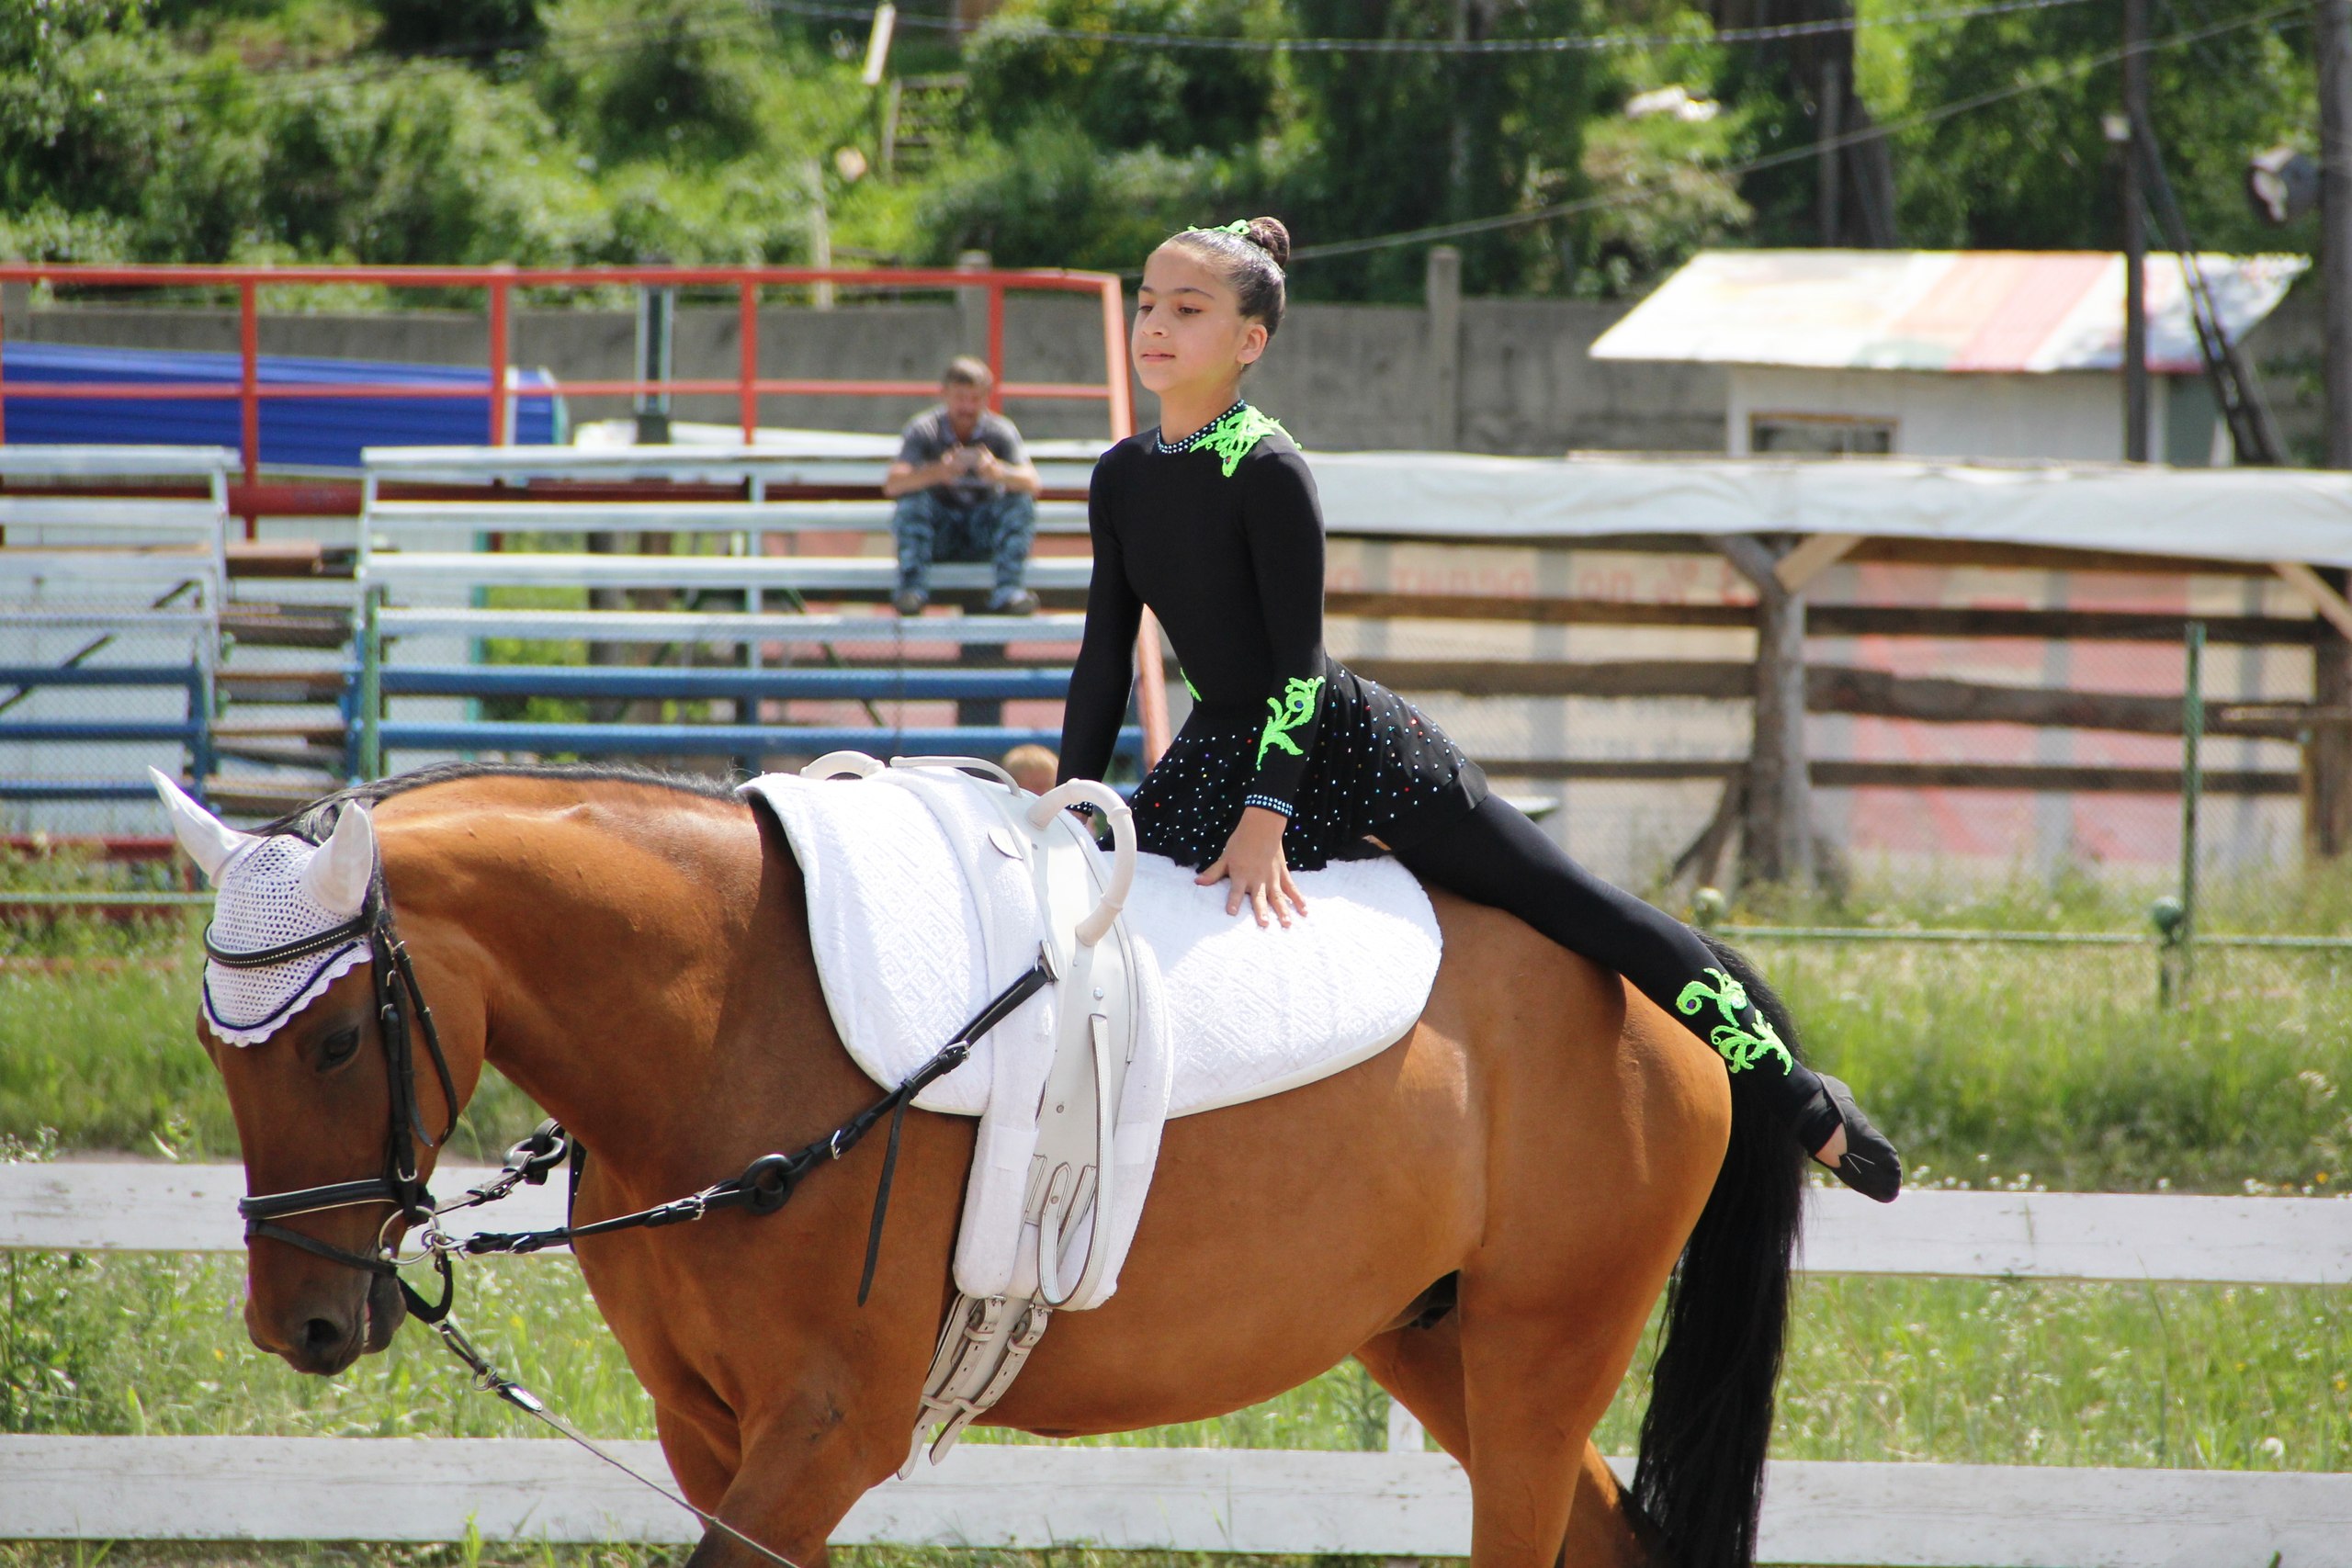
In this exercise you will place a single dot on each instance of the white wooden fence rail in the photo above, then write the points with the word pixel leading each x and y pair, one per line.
pixel 121 1206
pixel 1247 1500
pixel 1931 1516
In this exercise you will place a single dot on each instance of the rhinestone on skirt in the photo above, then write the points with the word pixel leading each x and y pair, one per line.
pixel 1379 770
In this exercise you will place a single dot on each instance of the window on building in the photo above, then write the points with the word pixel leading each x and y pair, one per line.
pixel 1818 436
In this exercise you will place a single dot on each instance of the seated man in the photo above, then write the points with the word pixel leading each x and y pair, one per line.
pixel 965 491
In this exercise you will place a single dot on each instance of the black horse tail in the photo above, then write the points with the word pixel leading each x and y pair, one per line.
pixel 1701 1478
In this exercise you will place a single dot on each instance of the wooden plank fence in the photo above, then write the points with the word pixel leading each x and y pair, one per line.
pixel 1395 1504
pixel 149 1206
pixel 1245 1500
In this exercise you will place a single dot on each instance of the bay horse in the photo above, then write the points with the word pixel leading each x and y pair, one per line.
pixel 1482 1214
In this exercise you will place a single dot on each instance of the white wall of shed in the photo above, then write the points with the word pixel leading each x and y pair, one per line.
pixel 2074 414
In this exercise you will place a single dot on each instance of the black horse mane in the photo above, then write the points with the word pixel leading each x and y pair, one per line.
pixel 316 820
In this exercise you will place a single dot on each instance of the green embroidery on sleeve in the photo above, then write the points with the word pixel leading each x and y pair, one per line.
pixel 1292 711
pixel 1741 1047
pixel 1233 437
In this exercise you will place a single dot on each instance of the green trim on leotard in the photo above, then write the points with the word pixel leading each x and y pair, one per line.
pixel 1741 1046
pixel 1293 710
pixel 1233 437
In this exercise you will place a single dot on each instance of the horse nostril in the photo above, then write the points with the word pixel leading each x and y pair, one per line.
pixel 320 1335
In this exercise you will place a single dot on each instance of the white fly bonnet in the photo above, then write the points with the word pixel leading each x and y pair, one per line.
pixel 272 890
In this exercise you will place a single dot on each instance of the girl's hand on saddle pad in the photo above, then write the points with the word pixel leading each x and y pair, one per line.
pixel 1253 868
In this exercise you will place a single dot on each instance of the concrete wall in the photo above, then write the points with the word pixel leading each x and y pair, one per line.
pixel 1516 376
pixel 1342 378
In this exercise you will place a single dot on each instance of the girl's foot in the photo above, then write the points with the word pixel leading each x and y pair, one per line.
pixel 1840 1136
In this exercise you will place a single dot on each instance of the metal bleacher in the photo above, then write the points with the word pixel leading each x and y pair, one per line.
pixel 767 652
pixel 112 577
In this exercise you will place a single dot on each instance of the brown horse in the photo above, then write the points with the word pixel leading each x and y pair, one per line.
pixel 1482 1214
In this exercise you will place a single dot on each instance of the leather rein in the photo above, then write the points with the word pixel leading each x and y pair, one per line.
pixel 402 1014
pixel 761 1187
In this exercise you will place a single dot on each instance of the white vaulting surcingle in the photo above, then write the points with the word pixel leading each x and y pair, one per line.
pixel 272 889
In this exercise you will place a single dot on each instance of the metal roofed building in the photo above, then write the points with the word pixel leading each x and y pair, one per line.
pixel 1948 353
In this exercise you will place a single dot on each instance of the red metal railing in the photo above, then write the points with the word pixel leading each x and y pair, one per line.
pixel 499 283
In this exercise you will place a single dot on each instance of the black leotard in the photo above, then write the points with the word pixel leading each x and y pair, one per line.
pixel 1224 540
pixel 1222 537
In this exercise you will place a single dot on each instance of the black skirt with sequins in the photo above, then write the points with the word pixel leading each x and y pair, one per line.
pixel 1379 770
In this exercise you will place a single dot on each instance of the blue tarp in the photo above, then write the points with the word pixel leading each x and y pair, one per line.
pixel 295 432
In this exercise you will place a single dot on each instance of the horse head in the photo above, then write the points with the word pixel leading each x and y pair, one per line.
pixel 341 1089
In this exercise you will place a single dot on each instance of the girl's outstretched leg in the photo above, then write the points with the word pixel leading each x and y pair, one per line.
pixel 1494 855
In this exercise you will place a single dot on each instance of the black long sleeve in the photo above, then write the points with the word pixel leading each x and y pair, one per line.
pixel 1284 527
pixel 1098 683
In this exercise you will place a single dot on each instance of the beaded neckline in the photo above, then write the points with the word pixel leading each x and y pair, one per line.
pixel 1230 435
pixel 1171 448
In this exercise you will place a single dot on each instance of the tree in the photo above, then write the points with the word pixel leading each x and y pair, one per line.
pixel 1398 141
pixel 2034 171
pixel 470 28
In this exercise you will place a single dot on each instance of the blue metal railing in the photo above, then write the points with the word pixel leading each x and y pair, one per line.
pixel 193 731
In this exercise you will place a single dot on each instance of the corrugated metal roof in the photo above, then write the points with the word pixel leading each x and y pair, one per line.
pixel 1976 310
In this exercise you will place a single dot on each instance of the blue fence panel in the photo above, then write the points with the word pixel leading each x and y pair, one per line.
pixel 308 432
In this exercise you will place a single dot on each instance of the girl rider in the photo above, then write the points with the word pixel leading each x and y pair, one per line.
pixel 1288 759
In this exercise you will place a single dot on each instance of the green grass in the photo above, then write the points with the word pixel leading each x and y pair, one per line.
pixel 2052 1061
pixel 1995 1067
pixel 1958 1370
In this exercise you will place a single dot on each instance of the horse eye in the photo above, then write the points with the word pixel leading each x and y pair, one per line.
pixel 336 1048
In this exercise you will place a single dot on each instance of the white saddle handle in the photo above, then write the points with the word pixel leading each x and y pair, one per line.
pixel 842 765
pixel 1104 798
pixel 962 764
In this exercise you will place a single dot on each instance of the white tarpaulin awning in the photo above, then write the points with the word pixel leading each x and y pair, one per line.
pixel 1944 310
pixel 2261 515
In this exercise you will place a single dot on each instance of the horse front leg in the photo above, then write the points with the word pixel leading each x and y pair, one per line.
pixel 804 1462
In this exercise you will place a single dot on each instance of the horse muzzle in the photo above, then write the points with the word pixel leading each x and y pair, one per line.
pixel 323 1323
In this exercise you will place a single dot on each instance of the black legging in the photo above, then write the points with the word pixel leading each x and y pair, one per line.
pixel 1495 856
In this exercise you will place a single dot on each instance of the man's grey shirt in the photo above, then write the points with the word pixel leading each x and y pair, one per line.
pixel 930 435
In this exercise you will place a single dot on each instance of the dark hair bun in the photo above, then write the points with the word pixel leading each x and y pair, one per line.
pixel 1269 235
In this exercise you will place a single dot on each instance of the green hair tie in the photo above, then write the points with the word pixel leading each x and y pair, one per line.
pixel 1239 226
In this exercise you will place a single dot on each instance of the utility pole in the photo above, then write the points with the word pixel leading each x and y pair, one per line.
pixel 1826 161
pixel 2135 234
pixel 2334 40
pixel 2328 754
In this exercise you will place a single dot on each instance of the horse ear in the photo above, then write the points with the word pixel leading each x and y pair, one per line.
pixel 337 877
pixel 208 841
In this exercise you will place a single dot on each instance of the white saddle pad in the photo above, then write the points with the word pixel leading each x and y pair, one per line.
pixel 1250 1012
pixel 916 922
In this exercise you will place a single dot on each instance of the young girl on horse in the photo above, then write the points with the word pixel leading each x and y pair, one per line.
pixel 1289 761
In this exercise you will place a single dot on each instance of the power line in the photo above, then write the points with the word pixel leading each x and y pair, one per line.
pixel 617 37
pixel 1937 115
pixel 170 88
pixel 1567 43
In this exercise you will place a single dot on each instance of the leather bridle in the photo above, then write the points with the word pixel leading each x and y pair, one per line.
pixel 396 994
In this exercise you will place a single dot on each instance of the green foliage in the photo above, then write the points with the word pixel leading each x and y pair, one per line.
pixel 1403 140
pixel 551 132
pixel 1052 197
pixel 1683 202
pixel 2036 173
pixel 639 128
pixel 675 79
pixel 469 26
pixel 1119 95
